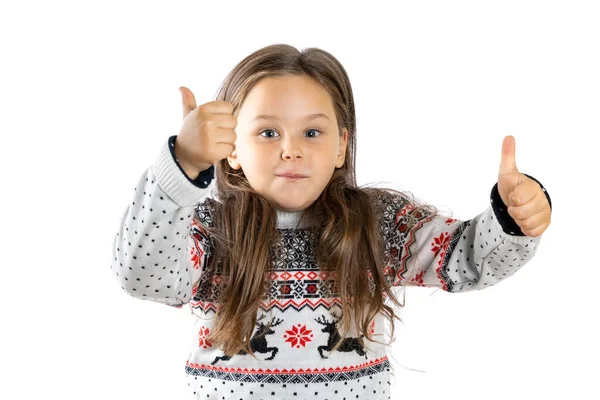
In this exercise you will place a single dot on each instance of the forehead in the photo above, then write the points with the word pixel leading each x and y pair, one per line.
pixel 287 97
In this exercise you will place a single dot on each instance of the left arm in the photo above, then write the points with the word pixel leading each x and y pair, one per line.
pixel 457 256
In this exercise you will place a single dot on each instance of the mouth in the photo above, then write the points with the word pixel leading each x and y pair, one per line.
pixel 292 176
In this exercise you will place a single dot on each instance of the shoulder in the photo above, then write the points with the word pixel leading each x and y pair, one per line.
pixel 388 203
pixel 204 211
pixel 398 212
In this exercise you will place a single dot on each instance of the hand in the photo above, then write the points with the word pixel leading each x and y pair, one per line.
pixel 207 134
pixel 527 204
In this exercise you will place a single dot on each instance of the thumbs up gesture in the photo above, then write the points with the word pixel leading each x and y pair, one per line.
pixel 207 134
pixel 526 202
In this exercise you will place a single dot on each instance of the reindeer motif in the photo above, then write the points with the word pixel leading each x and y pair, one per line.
pixel 349 344
pixel 258 343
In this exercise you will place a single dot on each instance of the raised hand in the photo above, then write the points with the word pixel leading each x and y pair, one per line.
pixel 525 200
pixel 207 134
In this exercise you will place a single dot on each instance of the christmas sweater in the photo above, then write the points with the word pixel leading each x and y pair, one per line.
pixel 161 253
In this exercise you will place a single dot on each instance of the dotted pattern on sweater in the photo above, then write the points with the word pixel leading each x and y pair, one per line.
pixel 150 248
pixel 371 387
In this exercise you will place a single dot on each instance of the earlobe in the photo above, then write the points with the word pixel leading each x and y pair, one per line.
pixel 233 162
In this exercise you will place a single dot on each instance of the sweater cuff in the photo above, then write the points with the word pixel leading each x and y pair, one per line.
pixel 175 183
pixel 203 179
pixel 508 224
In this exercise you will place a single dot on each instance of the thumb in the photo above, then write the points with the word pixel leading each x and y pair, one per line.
pixel 507 161
pixel 188 100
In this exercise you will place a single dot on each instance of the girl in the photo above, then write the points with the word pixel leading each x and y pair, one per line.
pixel 284 261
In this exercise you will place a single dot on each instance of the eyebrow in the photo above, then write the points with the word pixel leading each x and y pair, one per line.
pixel 273 117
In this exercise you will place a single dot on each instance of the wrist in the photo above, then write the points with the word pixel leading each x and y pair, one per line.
pixel 187 168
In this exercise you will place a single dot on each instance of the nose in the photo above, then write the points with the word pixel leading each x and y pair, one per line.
pixel 291 149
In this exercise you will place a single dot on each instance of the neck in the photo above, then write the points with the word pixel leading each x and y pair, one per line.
pixel 289 219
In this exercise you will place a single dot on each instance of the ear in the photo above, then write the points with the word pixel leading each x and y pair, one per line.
pixel 233 160
pixel 342 149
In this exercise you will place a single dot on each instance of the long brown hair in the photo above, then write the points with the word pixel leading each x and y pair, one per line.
pixel 244 234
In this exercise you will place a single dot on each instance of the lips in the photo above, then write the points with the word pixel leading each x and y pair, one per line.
pixel 291 175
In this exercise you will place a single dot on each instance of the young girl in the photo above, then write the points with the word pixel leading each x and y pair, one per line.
pixel 284 261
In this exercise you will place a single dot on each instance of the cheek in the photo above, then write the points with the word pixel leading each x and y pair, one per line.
pixel 246 153
pixel 327 154
pixel 257 163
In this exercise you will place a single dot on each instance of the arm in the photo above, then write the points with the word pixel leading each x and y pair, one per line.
pixel 456 256
pixel 160 249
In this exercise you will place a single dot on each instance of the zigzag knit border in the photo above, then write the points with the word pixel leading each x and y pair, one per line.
pixel 288 376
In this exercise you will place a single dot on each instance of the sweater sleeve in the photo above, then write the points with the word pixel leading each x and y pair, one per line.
pixel 431 250
pixel 161 248
pixel 203 179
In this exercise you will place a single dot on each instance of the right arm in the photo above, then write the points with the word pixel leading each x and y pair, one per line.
pixel 154 256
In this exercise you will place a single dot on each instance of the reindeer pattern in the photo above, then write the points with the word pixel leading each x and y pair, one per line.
pixel 348 344
pixel 259 340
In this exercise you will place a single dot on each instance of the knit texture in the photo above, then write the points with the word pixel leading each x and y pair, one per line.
pixel 161 253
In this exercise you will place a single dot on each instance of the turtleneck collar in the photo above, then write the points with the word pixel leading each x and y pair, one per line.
pixel 285 219
pixel 289 219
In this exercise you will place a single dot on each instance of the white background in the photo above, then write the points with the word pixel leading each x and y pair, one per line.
pixel 89 95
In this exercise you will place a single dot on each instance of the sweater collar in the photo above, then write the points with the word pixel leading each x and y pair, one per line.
pixel 285 219
pixel 289 219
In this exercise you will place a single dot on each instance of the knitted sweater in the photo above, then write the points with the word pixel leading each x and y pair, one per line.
pixel 161 254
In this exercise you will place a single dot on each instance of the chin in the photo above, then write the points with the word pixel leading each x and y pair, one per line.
pixel 290 202
pixel 290 206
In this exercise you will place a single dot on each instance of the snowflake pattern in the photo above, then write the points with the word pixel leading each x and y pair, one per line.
pixel 440 243
pixel 202 340
pixel 298 336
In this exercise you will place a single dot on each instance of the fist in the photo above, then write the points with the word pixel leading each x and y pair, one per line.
pixel 524 198
pixel 207 134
